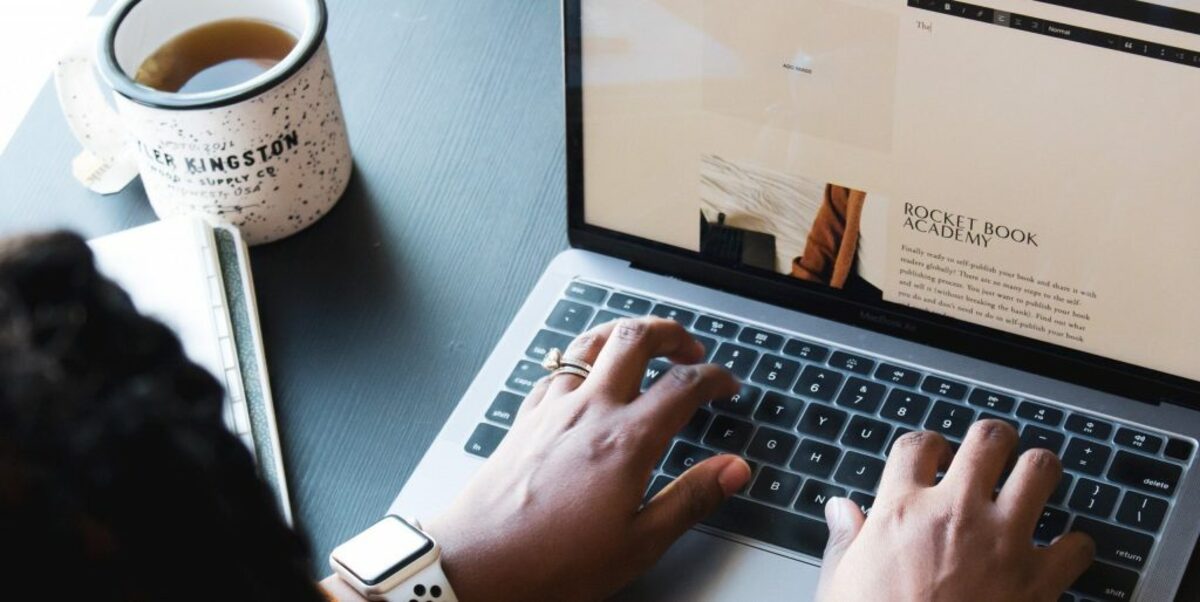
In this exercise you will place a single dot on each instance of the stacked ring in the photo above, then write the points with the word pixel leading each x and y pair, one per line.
pixel 556 364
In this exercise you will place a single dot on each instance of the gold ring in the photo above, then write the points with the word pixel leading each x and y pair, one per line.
pixel 556 364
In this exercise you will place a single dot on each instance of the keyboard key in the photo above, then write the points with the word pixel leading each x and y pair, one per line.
pixel 670 312
pixel 866 434
pixel 905 407
pixel 544 342
pixel 951 420
pixel 742 403
pixel 1145 473
pixel 717 327
pixel 900 432
pixel 694 429
pixel 944 388
pixel 815 458
pixel 484 440
pixel 851 362
pixel 1060 492
pixel 1086 456
pixel 761 338
pixel 1143 442
pixel 997 402
pixel 775 371
pixel 770 525
pixel 806 350
pixel 1179 449
pixel 1094 497
pixel 864 501
pixel 660 482
pixel 569 316
pixel 989 416
pixel 729 434
pixel 586 292
pixel 1036 436
pixel 779 410
pixel 1086 425
pixel 656 370
pixel 604 317
pixel 684 456
pixel 1142 511
pixel 524 376
pixel 629 304
pixel 897 375
pixel 710 345
pixel 859 472
pixel 773 446
pixel 818 383
pixel 736 359
pixel 504 408
pixel 1107 582
pixel 864 396
pixel 775 486
pixel 1114 543
pixel 1039 413
pixel 814 495
pixel 822 421
pixel 1051 524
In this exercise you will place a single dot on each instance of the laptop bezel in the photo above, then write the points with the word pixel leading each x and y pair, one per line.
pixel 1118 378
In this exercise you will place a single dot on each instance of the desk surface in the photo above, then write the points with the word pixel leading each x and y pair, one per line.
pixel 377 318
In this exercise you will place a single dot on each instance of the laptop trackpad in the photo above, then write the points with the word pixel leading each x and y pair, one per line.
pixel 702 568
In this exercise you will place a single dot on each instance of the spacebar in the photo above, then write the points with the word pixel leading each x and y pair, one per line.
pixel 771 525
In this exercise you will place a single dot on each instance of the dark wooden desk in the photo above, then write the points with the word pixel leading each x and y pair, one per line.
pixel 377 318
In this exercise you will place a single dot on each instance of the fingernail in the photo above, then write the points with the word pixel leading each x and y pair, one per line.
pixel 835 512
pixel 733 476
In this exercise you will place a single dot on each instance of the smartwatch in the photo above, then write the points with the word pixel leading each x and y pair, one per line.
pixel 395 561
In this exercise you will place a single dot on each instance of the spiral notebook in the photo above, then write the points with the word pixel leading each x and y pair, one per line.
pixel 195 278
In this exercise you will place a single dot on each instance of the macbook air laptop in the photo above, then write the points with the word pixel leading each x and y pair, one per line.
pixel 884 216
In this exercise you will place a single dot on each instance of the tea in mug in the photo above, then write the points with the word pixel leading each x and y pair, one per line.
pixel 215 56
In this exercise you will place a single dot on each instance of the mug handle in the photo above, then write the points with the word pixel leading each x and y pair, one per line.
pixel 106 165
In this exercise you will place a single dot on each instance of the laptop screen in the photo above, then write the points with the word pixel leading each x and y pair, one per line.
pixel 1032 167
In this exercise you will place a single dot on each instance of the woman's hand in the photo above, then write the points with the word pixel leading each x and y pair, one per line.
pixel 555 513
pixel 955 540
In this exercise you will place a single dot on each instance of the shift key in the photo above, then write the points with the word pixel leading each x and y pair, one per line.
pixel 772 526
pixel 1106 582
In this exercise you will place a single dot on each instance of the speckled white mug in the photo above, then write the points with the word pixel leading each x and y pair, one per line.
pixel 269 156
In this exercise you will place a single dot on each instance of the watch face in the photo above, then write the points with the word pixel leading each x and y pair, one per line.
pixel 379 552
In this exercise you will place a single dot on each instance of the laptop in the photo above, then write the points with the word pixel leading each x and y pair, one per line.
pixel 884 216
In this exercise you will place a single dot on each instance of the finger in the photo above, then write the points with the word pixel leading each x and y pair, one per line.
pixel 1029 488
pixel 534 398
pixel 985 453
pixel 668 405
pixel 585 348
pixel 1064 561
pixel 913 463
pixel 690 498
pixel 630 346
pixel 845 520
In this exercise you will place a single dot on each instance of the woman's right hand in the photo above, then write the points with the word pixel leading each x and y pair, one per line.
pixel 955 540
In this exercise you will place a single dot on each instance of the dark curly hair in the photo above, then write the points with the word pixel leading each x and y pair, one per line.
pixel 118 479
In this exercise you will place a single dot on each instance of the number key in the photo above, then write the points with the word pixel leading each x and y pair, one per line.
pixel 775 371
pixel 861 395
pixel 818 383
pixel 905 407
pixel 735 358
pixel 949 419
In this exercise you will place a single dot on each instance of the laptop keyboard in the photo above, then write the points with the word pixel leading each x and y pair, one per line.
pixel 816 421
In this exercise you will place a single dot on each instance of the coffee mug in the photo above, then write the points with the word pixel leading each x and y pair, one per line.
pixel 268 155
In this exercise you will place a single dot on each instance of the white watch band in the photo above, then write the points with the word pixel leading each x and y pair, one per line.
pixel 429 585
